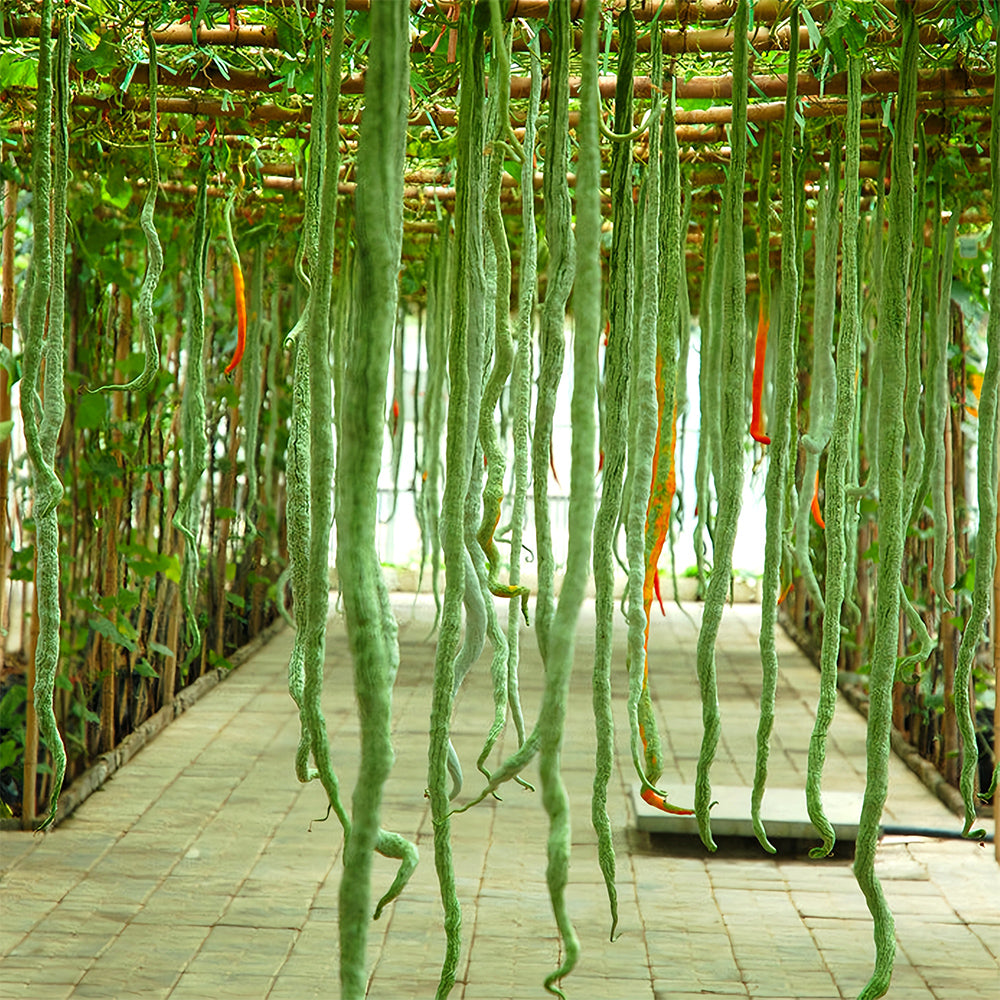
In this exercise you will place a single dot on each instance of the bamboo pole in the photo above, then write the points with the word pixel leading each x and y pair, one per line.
pixel 29 795
pixel 6 338
pixel 995 642
pixel 948 751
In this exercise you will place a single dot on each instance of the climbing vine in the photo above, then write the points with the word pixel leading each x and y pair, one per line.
pixel 331 160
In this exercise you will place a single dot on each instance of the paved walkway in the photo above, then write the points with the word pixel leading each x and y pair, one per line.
pixel 197 872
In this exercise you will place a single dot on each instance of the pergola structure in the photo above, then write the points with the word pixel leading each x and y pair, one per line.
pixel 800 193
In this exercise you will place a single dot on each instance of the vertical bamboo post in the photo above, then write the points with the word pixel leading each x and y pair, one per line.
pixel 29 798
pixel 227 495
pixel 995 642
pixel 6 338
pixel 948 756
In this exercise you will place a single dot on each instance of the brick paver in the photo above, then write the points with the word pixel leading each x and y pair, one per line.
pixel 200 870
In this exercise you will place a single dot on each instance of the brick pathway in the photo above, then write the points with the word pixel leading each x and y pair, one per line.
pixel 197 872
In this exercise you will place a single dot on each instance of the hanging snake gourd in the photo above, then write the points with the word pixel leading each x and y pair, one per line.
pixel 891 515
pixel 587 312
pixel 521 385
pixel 733 336
pixel 823 385
pixel 552 332
pixel 154 251
pixel 193 416
pixel 778 452
pixel 986 476
pixel 615 394
pixel 842 441
pixel 466 310
pixel 371 627
pixel 43 303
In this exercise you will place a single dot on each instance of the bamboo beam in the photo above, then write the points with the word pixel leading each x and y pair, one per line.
pixel 775 85
pixel 694 127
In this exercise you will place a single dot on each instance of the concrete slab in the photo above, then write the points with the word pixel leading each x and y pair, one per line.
pixel 783 812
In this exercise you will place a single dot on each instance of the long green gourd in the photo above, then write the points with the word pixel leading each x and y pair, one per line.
pixel 43 301
pixel 712 345
pixel 731 423
pixel 703 462
pixel 485 554
pixel 480 617
pixel 371 627
pixel 938 408
pixel 842 441
pixel 466 309
pixel 480 614
pixel 552 715
pixel 552 330
pixel 644 740
pixel 800 252
pixel 297 458
pixel 154 251
pixel 871 414
pixel 251 394
pixel 193 415
pixel 666 292
pixel 681 390
pixel 615 430
pixel 521 383
pixel 397 413
pixel 312 732
pixel 503 342
pixel 823 386
pixel 933 278
pixel 986 476
pixel 587 313
pixel 546 738
pixel 298 530
pixel 917 475
pixel 437 360
pixel 778 452
pixel 891 514
pixel 274 350
pixel 914 483
pixel 310 487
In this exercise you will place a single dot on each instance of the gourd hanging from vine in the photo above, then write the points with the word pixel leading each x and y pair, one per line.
pixel 731 422
pixel 891 513
pixel 466 310
pixel 842 441
pixel 779 443
pixel 43 402
pixel 371 626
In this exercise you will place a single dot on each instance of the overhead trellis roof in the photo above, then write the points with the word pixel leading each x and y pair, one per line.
pixel 243 80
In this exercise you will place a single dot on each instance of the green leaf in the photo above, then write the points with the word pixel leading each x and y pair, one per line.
pixel 9 754
pixel 236 601
pixel 144 669
pixel 173 571
pixel 17 71
pixel 158 647
pixel 111 632
pixel 814 36
pixel 145 562
pixel 91 411
pixel 11 364
pixel 10 706
pixel 6 426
